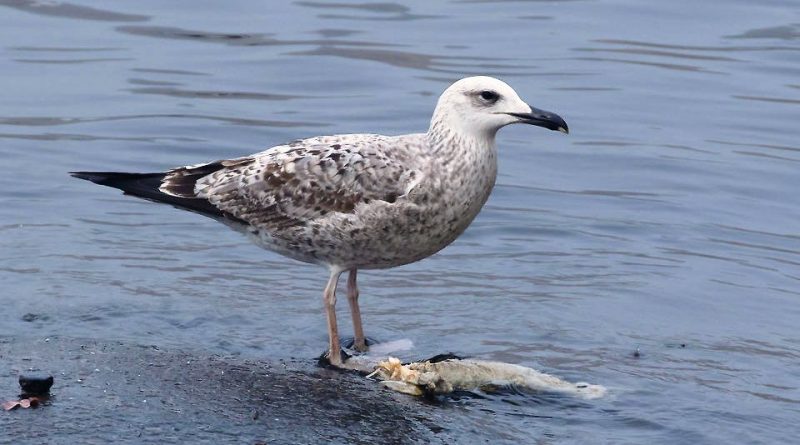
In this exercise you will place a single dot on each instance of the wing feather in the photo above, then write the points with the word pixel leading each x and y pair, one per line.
pixel 292 184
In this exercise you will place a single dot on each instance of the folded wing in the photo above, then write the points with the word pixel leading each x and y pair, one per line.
pixel 292 184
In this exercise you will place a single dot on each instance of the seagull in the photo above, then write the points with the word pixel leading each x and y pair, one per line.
pixel 355 201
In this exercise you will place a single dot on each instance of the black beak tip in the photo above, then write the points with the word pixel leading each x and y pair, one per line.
pixel 542 118
pixel 551 121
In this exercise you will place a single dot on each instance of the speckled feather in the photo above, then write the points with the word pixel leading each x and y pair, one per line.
pixel 306 180
pixel 356 200
pixel 364 200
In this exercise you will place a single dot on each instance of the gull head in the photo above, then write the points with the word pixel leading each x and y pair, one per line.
pixel 484 105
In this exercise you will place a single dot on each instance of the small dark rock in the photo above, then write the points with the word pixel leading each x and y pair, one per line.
pixel 349 342
pixel 443 357
pixel 35 384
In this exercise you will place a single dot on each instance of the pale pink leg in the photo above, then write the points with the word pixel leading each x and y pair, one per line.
pixel 329 299
pixel 360 343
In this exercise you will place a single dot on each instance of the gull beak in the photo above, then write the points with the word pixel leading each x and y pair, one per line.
pixel 542 118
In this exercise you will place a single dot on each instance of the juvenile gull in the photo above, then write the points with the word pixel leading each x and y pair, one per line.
pixel 355 201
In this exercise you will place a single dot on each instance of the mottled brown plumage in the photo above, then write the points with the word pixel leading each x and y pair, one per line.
pixel 357 200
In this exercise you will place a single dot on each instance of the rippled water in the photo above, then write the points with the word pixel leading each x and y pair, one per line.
pixel 666 223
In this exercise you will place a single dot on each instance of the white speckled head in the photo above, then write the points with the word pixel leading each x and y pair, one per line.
pixel 479 106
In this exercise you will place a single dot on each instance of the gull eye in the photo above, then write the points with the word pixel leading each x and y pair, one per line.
pixel 489 96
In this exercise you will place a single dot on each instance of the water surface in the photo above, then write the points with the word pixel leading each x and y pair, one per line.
pixel 666 223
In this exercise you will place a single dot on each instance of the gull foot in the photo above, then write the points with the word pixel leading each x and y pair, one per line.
pixel 324 360
pixel 350 343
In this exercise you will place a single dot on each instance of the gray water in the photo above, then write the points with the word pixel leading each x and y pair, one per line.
pixel 665 223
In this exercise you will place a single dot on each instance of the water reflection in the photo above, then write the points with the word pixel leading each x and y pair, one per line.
pixel 234 39
pixel 177 92
pixel 169 71
pixel 657 53
pixel 57 121
pixel 404 59
pixel 71 11
pixel 349 49
pixel 704 48
pixel 779 100
pixel 74 61
pixel 669 66
pixel 786 32
pixel 374 11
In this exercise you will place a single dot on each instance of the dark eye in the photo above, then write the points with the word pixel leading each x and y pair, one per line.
pixel 489 96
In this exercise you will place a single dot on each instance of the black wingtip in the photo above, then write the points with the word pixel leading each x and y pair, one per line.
pixel 89 176
pixel 148 186
pixel 120 180
pixel 101 178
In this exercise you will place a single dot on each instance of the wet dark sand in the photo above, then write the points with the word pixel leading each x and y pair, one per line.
pixel 111 392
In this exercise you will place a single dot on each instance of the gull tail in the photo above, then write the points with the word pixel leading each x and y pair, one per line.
pixel 144 185
pixel 150 186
